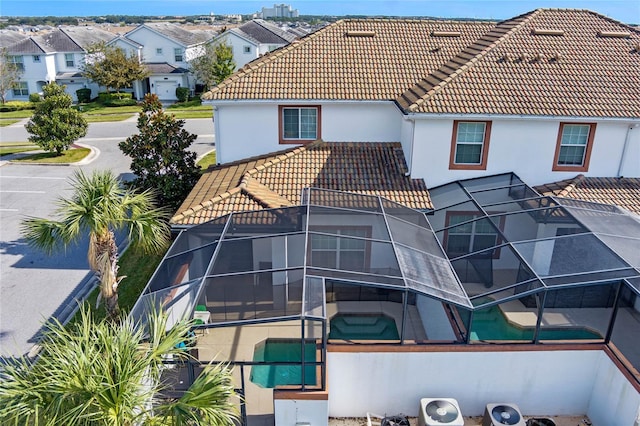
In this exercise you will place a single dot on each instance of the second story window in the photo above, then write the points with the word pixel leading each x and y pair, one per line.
pixel 178 56
pixel 573 147
pixel 36 58
pixel 159 51
pixel 246 49
pixel 69 60
pixel 18 61
pixel 470 145
pixel 299 124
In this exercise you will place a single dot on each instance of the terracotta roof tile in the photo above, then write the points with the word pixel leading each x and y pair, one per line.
pixel 623 192
pixel 278 179
pixel 545 62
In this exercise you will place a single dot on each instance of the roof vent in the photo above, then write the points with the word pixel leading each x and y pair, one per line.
pixel 360 33
pixel 555 57
pixel 446 34
pixel 636 47
pixel 539 57
pixel 547 31
pixel 524 57
pixel 614 34
pixel 507 57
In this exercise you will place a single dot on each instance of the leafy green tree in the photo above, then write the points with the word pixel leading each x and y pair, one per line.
pixel 110 66
pixel 110 374
pixel 159 154
pixel 214 65
pixel 99 206
pixel 54 125
pixel 9 74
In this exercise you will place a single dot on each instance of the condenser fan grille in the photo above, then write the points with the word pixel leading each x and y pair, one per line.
pixel 505 415
pixel 442 411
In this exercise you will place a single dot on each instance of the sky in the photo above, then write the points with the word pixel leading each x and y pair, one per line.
pixel 622 10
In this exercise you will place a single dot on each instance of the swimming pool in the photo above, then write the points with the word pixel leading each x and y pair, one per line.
pixel 490 324
pixel 363 327
pixel 283 350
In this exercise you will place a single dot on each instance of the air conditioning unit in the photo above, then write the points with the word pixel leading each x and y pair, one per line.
pixel 439 411
pixel 502 414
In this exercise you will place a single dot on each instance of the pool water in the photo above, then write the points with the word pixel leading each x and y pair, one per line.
pixel 283 350
pixel 490 324
pixel 363 327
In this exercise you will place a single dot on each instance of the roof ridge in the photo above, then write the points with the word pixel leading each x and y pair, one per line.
pixel 573 184
pixel 458 64
pixel 195 209
pixel 269 198
pixel 61 29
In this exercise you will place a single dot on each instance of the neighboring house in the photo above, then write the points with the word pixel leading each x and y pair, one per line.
pixel 254 39
pixel 464 99
pixel 55 56
pixel 166 49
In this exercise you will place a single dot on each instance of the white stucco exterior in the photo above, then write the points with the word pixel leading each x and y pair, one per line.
pixel 244 49
pixel 524 146
pixel 245 129
pixel 34 74
pixel 539 382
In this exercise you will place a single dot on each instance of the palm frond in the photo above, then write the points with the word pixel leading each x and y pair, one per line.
pixel 47 235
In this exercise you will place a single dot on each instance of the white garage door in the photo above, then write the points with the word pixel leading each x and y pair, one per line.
pixel 166 90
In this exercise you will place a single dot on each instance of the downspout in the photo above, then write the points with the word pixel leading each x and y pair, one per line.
pixel 216 134
pixel 624 149
pixel 410 165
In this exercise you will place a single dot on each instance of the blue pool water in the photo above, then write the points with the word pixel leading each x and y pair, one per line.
pixel 363 327
pixel 283 350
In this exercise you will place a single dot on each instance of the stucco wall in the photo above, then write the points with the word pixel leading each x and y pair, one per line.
pixel 568 382
pixel 526 147
pixel 246 130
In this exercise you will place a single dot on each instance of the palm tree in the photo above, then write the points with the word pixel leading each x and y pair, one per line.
pixel 110 374
pixel 99 206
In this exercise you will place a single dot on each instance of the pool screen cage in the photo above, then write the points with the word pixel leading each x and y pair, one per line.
pixel 492 246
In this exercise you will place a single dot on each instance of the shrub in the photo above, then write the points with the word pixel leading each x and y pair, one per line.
pixel 120 102
pixel 182 93
pixel 110 99
pixel 84 95
pixel 34 97
pixel 16 106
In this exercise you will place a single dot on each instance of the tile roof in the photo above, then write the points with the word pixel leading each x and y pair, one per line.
pixel 177 33
pixel 623 192
pixel 277 179
pixel 330 64
pixel 545 62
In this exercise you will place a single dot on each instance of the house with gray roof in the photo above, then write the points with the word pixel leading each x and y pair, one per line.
pixel 254 39
pixel 166 50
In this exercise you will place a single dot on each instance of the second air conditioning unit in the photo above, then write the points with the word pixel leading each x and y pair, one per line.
pixel 502 414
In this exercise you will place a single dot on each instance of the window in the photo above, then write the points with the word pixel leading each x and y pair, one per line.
pixel 36 58
pixel 573 147
pixel 177 53
pixel 334 252
pixel 68 57
pixel 159 51
pixel 470 237
pixel 299 124
pixel 470 145
pixel 272 47
pixel 21 89
pixel 246 49
pixel 18 61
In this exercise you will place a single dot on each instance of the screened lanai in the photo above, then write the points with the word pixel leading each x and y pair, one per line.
pixel 495 261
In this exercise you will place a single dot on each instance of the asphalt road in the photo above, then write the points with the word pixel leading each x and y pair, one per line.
pixel 36 286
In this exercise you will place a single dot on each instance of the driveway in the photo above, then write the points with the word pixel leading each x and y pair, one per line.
pixel 35 286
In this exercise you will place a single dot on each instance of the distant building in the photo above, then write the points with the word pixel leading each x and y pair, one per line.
pixel 279 11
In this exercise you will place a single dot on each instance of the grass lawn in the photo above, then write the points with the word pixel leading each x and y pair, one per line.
pixel 7 148
pixel 68 156
pixel 138 268
pixel 23 113
pixel 96 118
pixel 4 122
pixel 182 115
pixel 207 160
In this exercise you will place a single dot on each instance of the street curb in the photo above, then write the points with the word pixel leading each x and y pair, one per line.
pixel 93 154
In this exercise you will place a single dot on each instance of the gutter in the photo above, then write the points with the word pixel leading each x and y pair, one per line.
pixel 413 116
